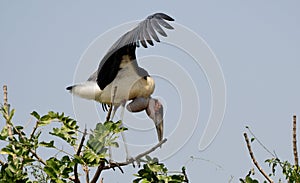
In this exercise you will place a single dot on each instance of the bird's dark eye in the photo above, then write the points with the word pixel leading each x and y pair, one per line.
pixel 145 77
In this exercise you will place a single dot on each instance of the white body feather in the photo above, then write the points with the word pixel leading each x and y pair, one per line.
pixel 128 84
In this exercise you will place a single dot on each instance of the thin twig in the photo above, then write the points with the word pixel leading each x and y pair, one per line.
pixel 260 143
pixel 203 159
pixel 87 176
pixel 37 157
pixel 295 140
pixel 78 154
pixel 102 166
pixel 31 150
pixel 254 160
pixel 34 129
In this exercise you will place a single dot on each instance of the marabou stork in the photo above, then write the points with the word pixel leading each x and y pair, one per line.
pixel 120 79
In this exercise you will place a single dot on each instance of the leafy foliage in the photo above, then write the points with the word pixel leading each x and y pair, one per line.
pixel 153 171
pixel 102 137
pixel 59 170
pixel 249 179
pixel 290 171
pixel 21 149
pixel 23 163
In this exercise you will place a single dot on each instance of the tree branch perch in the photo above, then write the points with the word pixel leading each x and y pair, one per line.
pixel 254 160
pixel 102 166
pixel 78 154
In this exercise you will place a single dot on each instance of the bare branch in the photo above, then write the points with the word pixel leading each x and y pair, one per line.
pixel 260 143
pixel 87 176
pixel 34 129
pixel 5 95
pixel 37 157
pixel 254 160
pixel 295 140
pixel 102 166
pixel 78 153
pixel 139 156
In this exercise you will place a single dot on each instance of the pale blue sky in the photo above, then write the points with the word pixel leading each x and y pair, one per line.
pixel 257 44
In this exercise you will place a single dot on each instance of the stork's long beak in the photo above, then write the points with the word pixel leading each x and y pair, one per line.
pixel 155 112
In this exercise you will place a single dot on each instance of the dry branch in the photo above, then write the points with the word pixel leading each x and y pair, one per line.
pixel 295 140
pixel 102 166
pixel 5 95
pixel 78 153
pixel 254 160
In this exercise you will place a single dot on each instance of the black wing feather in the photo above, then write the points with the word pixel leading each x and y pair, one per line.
pixel 126 45
pixel 164 24
pixel 157 27
pixel 146 34
pixel 164 16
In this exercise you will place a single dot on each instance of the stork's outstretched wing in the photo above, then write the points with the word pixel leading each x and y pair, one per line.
pixel 145 32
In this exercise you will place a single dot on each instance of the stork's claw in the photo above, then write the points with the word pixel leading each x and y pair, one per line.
pixel 131 159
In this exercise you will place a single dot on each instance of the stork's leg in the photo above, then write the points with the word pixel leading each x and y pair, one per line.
pixel 122 133
pixel 111 118
pixel 114 111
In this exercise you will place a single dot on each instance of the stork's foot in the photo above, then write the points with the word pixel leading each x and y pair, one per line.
pixel 131 159
pixel 111 162
pixel 114 164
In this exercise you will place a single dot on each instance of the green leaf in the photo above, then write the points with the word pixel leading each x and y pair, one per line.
pixel 6 151
pixel 35 114
pixel 114 144
pixel 4 133
pixel 12 168
pixel 53 115
pixel 11 114
pixel 47 144
pixel 28 160
pixel 50 171
pixel 44 120
pixel 9 173
pixel 78 159
pixel 148 158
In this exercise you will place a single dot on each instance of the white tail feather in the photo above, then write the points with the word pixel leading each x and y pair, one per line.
pixel 88 90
